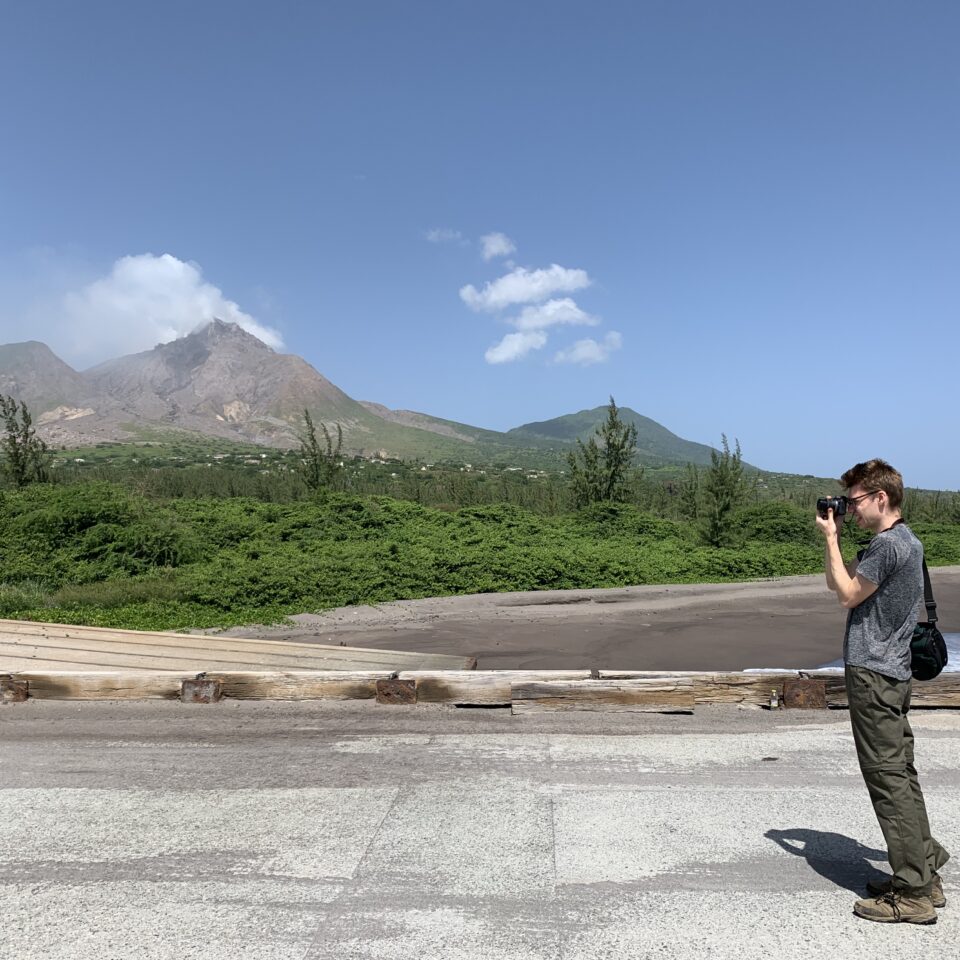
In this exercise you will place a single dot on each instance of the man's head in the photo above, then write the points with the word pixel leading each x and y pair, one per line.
pixel 874 494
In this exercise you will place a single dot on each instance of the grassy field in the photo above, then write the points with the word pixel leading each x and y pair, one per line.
pixel 102 553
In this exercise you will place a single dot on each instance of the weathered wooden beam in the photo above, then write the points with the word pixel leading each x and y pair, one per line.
pixel 479 687
pixel 103 686
pixel 652 695
pixel 730 687
pixel 715 687
pixel 523 690
pixel 302 684
pixel 942 691
pixel 295 685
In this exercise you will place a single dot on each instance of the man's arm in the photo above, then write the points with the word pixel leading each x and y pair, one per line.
pixel 850 588
pixel 850 568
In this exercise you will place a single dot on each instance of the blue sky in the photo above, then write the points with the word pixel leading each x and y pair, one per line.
pixel 735 217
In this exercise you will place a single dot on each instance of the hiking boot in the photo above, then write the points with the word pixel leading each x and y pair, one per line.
pixel 936 890
pixel 897 907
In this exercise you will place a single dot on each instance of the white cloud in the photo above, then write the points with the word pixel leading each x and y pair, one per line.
pixel 552 313
pixel 444 235
pixel 496 245
pixel 524 286
pixel 515 345
pixel 587 352
pixel 146 300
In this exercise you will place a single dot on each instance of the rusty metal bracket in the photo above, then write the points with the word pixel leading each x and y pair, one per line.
pixel 13 690
pixel 201 690
pixel 805 694
pixel 396 691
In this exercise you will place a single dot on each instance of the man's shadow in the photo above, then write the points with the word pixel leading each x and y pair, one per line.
pixel 839 859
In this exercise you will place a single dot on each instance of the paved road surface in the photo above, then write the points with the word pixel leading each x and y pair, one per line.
pixel 307 831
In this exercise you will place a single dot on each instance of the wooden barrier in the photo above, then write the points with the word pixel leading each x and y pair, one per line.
pixel 522 690
pixel 744 687
pixel 480 688
pixel 294 685
pixel 649 695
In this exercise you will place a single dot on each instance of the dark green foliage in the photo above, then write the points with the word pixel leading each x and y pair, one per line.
pixel 690 493
pixel 319 463
pixel 940 542
pixel 600 471
pixel 776 523
pixel 273 476
pixel 25 456
pixel 98 553
pixel 56 514
pixel 724 490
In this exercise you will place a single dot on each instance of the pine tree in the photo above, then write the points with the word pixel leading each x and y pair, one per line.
pixel 600 471
pixel 724 491
pixel 26 458
pixel 690 493
pixel 318 463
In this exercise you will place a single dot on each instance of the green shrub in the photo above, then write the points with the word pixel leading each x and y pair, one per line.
pixel 51 514
pixel 110 594
pixel 26 595
pixel 777 523
pixel 92 553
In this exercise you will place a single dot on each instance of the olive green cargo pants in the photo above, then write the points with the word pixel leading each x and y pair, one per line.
pixel 881 731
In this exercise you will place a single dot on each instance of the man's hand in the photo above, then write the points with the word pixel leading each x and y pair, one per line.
pixel 830 526
pixel 851 589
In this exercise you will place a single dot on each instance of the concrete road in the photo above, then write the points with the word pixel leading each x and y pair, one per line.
pixel 307 831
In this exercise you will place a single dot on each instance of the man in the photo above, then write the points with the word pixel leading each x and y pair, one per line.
pixel 882 590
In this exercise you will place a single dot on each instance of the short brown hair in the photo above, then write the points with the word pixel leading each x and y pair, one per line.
pixel 876 475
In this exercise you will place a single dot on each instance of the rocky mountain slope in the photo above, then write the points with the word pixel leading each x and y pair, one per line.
pixel 221 381
pixel 33 373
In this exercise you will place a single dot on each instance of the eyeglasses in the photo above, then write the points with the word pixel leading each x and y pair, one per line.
pixel 863 496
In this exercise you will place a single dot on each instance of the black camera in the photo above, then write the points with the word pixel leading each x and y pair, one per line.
pixel 837 504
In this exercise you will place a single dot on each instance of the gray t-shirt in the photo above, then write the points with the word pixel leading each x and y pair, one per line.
pixel 879 629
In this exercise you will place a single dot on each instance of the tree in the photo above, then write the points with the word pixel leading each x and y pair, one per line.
pixel 318 463
pixel 26 457
pixel 601 471
pixel 724 490
pixel 690 493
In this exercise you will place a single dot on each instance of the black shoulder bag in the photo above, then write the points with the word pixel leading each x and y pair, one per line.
pixel 928 650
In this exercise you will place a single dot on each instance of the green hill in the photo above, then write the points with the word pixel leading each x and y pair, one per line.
pixel 656 445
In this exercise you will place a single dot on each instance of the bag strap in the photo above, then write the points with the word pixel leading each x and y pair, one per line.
pixel 928 600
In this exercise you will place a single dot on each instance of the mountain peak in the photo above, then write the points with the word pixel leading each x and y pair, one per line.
pixel 220 331
pixel 214 339
pixel 26 351
pixel 30 371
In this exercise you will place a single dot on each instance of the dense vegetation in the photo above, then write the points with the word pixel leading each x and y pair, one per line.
pixel 119 554
pixel 155 536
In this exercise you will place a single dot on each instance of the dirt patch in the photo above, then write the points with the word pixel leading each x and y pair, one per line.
pixel 792 622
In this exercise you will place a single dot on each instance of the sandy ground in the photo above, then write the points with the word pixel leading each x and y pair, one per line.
pixel 792 622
